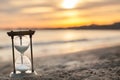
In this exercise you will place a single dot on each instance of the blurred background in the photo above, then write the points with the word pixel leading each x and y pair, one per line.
pixel 62 26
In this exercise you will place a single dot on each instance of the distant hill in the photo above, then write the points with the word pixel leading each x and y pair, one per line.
pixel 115 26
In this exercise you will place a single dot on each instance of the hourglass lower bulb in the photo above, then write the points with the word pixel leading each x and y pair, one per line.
pixel 23 66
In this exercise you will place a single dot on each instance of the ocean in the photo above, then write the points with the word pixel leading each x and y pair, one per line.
pixel 57 42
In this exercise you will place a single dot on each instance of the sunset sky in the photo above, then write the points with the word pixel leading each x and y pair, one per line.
pixel 57 13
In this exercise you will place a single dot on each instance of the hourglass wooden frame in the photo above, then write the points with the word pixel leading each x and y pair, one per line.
pixel 21 33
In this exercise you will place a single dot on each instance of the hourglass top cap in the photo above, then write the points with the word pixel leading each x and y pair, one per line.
pixel 21 33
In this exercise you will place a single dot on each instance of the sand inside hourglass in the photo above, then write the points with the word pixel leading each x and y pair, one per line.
pixel 21 44
pixel 21 49
pixel 26 65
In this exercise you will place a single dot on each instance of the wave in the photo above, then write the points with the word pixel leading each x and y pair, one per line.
pixel 69 41
pixel 48 43
pixel 60 42
pixel 77 40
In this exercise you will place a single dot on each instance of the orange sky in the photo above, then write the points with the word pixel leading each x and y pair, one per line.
pixel 57 13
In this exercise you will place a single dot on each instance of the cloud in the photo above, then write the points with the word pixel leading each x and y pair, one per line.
pixel 15 6
pixel 89 4
pixel 96 4
pixel 19 3
pixel 50 10
pixel 36 10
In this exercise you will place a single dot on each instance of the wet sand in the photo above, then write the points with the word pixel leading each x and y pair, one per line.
pixel 97 64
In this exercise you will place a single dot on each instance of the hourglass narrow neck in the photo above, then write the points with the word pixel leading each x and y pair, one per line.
pixel 22 58
pixel 21 40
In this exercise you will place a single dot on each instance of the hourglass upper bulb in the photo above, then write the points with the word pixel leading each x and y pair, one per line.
pixel 21 43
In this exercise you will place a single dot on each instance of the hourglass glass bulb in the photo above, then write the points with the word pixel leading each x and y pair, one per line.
pixel 21 43
pixel 26 65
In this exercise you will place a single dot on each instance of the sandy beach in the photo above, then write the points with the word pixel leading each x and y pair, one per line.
pixel 97 64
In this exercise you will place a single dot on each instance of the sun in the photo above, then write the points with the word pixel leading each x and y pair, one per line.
pixel 69 4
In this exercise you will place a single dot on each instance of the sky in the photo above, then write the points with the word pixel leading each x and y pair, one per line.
pixel 57 13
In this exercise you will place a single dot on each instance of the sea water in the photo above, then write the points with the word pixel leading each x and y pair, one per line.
pixel 57 42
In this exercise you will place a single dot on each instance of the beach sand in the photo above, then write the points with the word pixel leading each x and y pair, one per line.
pixel 97 64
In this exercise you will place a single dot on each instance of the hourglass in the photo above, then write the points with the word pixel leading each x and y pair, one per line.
pixel 22 66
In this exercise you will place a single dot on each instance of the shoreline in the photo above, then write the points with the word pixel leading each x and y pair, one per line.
pixel 93 64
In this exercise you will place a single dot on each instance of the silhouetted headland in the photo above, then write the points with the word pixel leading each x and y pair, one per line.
pixel 114 26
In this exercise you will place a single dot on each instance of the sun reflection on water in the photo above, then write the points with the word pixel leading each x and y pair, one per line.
pixel 69 36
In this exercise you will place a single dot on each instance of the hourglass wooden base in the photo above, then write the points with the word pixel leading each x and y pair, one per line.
pixel 22 74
